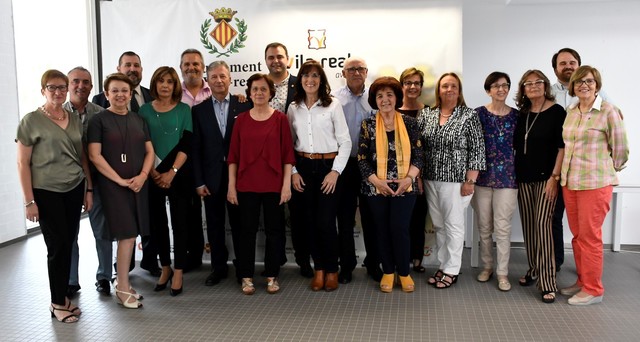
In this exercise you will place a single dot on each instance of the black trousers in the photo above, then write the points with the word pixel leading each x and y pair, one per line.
pixel 557 229
pixel 59 222
pixel 195 233
pixel 250 204
pixel 391 217
pixel 314 215
pixel 179 209
pixel 416 230
pixel 216 206
pixel 346 214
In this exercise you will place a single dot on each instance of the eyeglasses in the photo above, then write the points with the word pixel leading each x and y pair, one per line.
pixel 409 84
pixel 52 88
pixel 353 70
pixel 535 83
pixel 589 82
pixel 503 85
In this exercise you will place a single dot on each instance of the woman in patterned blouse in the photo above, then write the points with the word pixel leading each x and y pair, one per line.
pixel 595 149
pixel 496 192
pixel 390 158
pixel 454 151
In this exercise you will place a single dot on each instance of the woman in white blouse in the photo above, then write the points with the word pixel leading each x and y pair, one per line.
pixel 322 144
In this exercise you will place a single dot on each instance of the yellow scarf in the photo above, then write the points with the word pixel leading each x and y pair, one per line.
pixel 403 148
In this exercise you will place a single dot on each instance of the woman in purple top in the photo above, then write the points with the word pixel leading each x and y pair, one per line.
pixel 496 190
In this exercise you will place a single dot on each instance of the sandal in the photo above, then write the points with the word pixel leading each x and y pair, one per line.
pixel 386 283
pixel 548 297
pixel 407 283
pixel 74 309
pixel 135 294
pixel 247 286
pixel 433 280
pixel 272 285
pixel 126 303
pixel 446 283
pixel 527 280
pixel 70 318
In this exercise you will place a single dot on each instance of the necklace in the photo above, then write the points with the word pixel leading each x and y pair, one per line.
pixel 64 116
pixel 498 127
pixel 528 129
pixel 123 136
pixel 171 132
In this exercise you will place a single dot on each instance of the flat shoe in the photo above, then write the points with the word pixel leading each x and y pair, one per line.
pixel 527 280
pixel 588 300
pixel 485 275
pixel 504 284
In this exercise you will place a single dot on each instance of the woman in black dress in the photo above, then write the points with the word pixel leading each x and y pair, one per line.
pixel 120 148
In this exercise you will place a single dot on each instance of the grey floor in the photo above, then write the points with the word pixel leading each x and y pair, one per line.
pixel 469 311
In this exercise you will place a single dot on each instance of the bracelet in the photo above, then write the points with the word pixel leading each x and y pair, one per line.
pixel 471 181
pixel 89 190
pixel 413 179
pixel 26 205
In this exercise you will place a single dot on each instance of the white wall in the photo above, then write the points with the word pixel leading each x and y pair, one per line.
pixel 12 222
pixel 516 37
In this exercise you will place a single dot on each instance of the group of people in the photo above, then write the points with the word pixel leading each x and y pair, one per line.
pixel 293 141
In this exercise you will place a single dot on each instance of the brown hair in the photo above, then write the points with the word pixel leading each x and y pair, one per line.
pixel 522 101
pixel 117 76
pixel 411 72
pixel 51 74
pixel 382 83
pixel 460 96
pixel 324 90
pixel 266 78
pixel 580 73
pixel 176 95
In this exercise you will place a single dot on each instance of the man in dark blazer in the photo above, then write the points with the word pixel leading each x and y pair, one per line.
pixel 129 64
pixel 213 121
pixel 276 58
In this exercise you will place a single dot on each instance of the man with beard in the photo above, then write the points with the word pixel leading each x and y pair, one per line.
pixel 130 65
pixel 354 99
pixel 194 88
pixel 80 86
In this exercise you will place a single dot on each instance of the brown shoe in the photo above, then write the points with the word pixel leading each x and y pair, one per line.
pixel 318 281
pixel 331 282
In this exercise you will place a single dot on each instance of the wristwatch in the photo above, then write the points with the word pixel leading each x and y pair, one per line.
pixel 556 177
pixel 174 168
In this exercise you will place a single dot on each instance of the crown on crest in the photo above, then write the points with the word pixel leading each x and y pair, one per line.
pixel 222 13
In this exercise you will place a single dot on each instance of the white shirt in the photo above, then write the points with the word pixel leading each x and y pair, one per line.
pixel 321 130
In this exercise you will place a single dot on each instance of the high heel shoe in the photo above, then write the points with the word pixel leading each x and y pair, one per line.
pixel 272 285
pixel 160 286
pixel 386 283
pixel 129 305
pixel 247 286
pixel 133 292
pixel 407 283
pixel 174 292
pixel 70 318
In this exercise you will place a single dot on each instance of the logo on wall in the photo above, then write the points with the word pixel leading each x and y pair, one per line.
pixel 317 39
pixel 224 34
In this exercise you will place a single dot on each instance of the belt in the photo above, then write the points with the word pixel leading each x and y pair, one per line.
pixel 330 155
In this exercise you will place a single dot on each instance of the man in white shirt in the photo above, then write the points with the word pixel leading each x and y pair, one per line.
pixel 353 97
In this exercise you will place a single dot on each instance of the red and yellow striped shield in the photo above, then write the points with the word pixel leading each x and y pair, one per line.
pixel 223 33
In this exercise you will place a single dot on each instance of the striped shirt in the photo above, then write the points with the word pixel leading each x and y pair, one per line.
pixel 596 147
pixel 453 148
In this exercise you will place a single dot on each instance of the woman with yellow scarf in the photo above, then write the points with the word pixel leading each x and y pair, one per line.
pixel 390 157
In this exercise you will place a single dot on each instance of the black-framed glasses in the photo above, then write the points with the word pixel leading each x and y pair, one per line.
pixel 589 82
pixel 52 88
pixel 353 70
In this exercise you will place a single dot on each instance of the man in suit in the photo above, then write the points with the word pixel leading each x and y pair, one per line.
pixel 129 64
pixel 80 86
pixel 276 58
pixel 213 121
